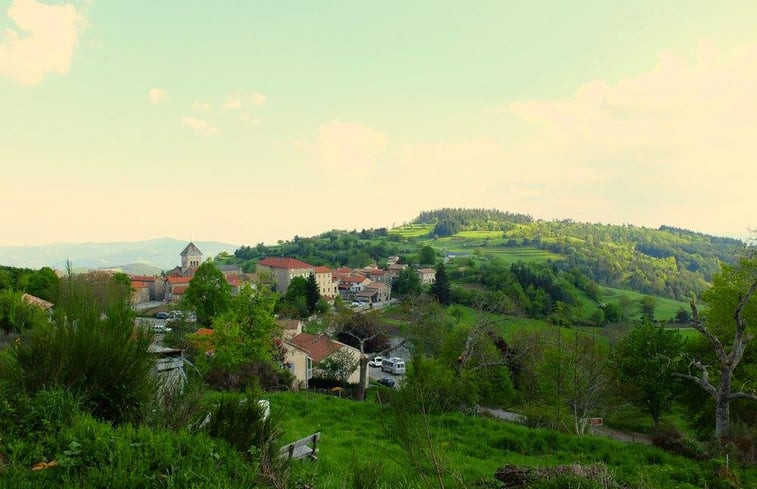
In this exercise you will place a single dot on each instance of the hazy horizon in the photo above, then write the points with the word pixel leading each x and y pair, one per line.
pixel 252 123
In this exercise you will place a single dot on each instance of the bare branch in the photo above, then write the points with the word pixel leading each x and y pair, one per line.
pixel 703 381
pixel 741 325
pixel 744 395
pixel 697 324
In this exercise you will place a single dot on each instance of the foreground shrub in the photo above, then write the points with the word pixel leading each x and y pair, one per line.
pixel 101 358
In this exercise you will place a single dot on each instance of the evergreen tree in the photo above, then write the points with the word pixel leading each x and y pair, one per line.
pixel 440 288
pixel 312 295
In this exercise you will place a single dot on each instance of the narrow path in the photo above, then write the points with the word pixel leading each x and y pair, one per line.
pixel 595 430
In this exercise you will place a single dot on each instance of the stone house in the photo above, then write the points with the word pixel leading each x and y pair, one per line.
pixel 426 275
pixel 283 270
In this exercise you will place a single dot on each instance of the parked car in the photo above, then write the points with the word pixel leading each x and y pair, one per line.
pixel 161 328
pixel 357 304
pixel 376 362
pixel 162 315
pixel 387 381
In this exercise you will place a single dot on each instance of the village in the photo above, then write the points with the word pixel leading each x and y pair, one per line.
pixel 363 289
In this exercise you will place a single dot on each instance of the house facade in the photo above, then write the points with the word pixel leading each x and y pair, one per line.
pixel 426 275
pixel 328 286
pixel 305 350
pixel 283 270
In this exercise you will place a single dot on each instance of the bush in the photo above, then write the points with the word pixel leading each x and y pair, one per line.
pixel 672 440
pixel 242 423
pixel 101 359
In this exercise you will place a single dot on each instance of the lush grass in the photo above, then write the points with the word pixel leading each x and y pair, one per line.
pixel 412 230
pixel 479 234
pixel 664 311
pixel 472 447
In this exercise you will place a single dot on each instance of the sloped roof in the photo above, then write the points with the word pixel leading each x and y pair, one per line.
pixel 322 270
pixel 426 270
pixel 288 323
pixel 286 263
pixel 142 278
pixel 317 346
pixel 36 301
pixel 191 249
pixel 179 280
pixel 139 285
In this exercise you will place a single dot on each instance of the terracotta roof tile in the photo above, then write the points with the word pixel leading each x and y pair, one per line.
pixel 286 263
pixel 316 346
pixel 179 280
pixel 322 270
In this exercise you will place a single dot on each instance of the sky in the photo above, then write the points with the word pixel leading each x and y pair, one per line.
pixel 247 122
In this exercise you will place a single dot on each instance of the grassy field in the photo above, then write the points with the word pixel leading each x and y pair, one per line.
pixel 358 440
pixel 665 310
pixel 412 230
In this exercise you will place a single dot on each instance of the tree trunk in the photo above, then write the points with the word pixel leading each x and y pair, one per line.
pixel 723 402
pixel 363 377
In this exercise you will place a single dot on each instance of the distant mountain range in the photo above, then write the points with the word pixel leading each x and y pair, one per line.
pixel 131 257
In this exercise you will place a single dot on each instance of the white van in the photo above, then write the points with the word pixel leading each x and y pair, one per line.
pixel 393 365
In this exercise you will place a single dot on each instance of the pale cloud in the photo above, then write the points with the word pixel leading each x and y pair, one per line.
pixel 675 143
pixel 240 100
pixel 200 126
pixel 345 146
pixel 156 95
pixel 204 106
pixel 44 43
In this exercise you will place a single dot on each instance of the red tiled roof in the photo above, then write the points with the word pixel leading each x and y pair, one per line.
pixel 179 280
pixel 377 271
pixel 322 270
pixel 426 270
pixel 142 278
pixel 233 281
pixel 355 278
pixel 286 263
pixel 343 270
pixel 139 285
pixel 317 346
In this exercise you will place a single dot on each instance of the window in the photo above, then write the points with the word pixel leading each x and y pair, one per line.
pixel 309 369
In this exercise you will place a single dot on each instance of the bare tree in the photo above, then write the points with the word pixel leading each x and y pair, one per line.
pixel 733 290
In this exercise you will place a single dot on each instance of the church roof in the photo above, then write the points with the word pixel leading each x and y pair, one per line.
pixel 191 249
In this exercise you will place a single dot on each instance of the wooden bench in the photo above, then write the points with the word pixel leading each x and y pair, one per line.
pixel 302 448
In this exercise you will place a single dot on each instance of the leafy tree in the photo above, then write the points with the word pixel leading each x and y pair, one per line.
pixel 312 294
pixel 338 366
pixel 683 316
pixel 16 314
pixel 644 362
pixel 731 318
pixel 208 293
pixel 363 332
pixel 440 289
pixel 648 305
pixel 575 373
pixel 407 283
pixel 44 284
pixel 294 303
pixel 427 256
pixel 244 339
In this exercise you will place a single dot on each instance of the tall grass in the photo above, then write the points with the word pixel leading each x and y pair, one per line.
pixel 98 356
